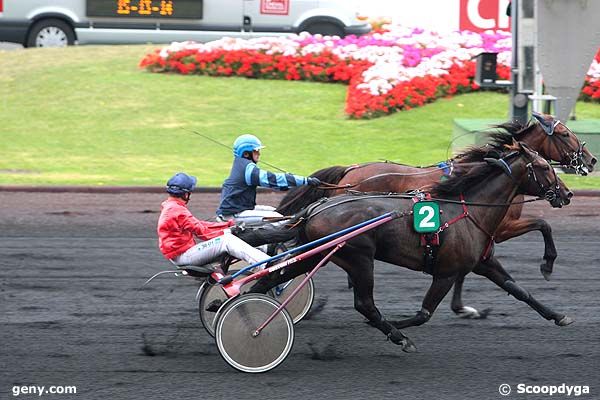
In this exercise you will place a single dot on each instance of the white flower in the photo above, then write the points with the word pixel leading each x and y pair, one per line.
pixel 428 53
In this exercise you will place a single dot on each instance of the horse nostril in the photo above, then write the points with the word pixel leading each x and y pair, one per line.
pixel 569 194
pixel 594 161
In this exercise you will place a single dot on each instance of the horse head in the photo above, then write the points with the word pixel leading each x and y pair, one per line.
pixel 555 141
pixel 534 175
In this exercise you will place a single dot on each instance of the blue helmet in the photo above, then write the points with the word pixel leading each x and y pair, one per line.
pixel 181 183
pixel 246 143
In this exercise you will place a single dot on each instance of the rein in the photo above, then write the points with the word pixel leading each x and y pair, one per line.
pixel 369 196
pixel 474 203
pixel 331 186
pixel 452 165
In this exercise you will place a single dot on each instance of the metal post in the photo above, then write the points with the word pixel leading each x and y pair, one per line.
pixel 518 101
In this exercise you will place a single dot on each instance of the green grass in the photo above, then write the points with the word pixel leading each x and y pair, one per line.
pixel 88 115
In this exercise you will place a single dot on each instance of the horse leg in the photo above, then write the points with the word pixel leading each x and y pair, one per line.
pixel 517 227
pixel 457 304
pixel 360 272
pixel 437 291
pixel 493 270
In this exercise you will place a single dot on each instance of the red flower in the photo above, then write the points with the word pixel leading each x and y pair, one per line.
pixel 327 67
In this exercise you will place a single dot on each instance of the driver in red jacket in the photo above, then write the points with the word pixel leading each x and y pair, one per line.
pixel 177 228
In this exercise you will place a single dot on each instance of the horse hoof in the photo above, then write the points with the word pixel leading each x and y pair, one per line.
pixel 468 313
pixel 408 346
pixel 546 272
pixel 398 338
pixel 564 321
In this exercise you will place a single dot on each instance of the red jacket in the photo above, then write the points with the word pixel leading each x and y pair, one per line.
pixel 177 227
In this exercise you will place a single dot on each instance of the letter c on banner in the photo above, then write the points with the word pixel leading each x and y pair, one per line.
pixel 476 18
pixel 503 21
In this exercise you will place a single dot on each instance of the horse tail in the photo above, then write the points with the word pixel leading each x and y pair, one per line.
pixel 299 197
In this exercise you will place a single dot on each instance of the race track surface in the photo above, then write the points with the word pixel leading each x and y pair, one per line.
pixel 73 315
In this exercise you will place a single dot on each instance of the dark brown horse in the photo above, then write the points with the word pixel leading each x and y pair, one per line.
pixel 462 243
pixel 549 137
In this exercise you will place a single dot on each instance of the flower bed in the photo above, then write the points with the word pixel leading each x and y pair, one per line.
pixel 386 71
pixel 591 88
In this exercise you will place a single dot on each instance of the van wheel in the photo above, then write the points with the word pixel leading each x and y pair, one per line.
pixel 325 28
pixel 50 33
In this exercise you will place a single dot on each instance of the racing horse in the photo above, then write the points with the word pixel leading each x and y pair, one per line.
pixel 474 201
pixel 552 139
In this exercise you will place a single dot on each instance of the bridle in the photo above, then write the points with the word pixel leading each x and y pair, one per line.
pixel 572 159
pixel 550 192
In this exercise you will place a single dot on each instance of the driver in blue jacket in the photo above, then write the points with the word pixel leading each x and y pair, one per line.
pixel 238 194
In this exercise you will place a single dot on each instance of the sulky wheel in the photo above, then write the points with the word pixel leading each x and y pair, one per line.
pixel 236 323
pixel 301 304
pixel 208 295
pixel 212 297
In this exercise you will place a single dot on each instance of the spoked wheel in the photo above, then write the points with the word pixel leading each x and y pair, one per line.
pixel 212 295
pixel 208 295
pixel 236 324
pixel 300 305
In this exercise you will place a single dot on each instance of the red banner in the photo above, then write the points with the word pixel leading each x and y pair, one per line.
pixel 276 7
pixel 481 15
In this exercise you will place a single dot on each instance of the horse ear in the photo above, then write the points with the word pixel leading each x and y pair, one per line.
pixel 548 127
pixel 499 163
pixel 539 117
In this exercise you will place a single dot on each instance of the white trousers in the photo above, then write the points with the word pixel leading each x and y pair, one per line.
pixel 210 250
pixel 255 216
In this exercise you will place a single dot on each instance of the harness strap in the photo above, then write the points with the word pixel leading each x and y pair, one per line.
pixel 351 168
pixel 486 252
pixel 454 220
pixel 328 202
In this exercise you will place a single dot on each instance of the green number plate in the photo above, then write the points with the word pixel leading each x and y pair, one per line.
pixel 426 216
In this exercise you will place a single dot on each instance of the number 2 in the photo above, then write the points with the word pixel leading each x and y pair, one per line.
pixel 426 222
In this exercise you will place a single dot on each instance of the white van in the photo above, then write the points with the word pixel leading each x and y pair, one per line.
pixel 52 23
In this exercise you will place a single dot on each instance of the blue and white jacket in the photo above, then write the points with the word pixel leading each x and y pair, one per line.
pixel 239 190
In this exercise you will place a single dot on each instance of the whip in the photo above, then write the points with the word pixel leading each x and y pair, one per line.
pixel 228 147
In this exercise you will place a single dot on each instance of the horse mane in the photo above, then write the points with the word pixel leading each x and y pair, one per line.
pixel 505 135
pixel 508 133
pixel 299 197
pixel 463 179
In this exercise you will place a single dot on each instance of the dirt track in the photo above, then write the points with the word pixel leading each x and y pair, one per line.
pixel 72 315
